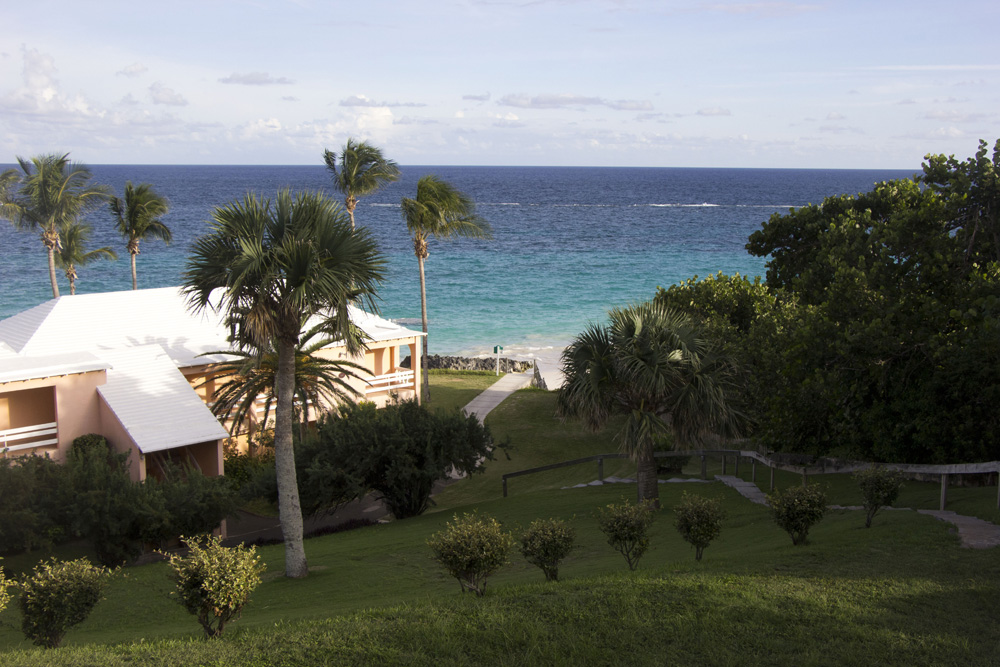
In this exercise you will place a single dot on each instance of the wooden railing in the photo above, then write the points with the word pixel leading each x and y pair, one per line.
pixel 390 381
pixel 821 467
pixel 16 435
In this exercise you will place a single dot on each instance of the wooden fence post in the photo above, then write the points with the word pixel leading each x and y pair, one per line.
pixel 723 463
pixel 600 469
pixel 772 478
pixel 704 474
pixel 737 458
pixel 753 470
pixel 944 490
pixel 504 487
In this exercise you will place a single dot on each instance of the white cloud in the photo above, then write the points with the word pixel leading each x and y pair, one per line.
pixel 955 116
pixel 477 98
pixel 256 79
pixel 289 98
pixel 362 101
pixel 833 115
pixel 133 70
pixel 567 100
pixel 714 111
pixel 160 94
pixel 260 127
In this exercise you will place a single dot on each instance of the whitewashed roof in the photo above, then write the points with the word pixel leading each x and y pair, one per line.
pixel 117 320
pixel 14 368
pixel 154 402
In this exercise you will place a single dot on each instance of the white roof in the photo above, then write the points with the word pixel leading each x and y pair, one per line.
pixel 154 402
pixel 116 320
pixel 16 368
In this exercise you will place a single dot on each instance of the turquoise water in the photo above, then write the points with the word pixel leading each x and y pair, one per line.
pixel 569 243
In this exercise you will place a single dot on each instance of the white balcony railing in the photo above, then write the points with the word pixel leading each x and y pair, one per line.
pixel 18 435
pixel 390 381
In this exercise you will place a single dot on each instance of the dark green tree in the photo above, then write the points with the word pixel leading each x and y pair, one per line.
pixel 138 217
pixel 73 240
pixel 359 170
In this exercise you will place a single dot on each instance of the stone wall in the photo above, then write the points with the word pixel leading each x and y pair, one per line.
pixel 436 361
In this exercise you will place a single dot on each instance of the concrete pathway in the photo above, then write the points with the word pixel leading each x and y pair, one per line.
pixel 974 533
pixel 482 405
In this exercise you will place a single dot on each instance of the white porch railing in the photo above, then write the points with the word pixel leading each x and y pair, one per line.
pixel 15 435
pixel 390 381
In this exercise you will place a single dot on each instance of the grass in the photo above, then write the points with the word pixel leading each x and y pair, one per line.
pixel 900 593
pixel 455 389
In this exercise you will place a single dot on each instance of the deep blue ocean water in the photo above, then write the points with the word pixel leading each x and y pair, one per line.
pixel 569 242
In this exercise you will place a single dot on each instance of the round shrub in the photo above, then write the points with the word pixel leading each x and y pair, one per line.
pixel 625 526
pixel 797 509
pixel 879 488
pixel 214 582
pixel 546 543
pixel 699 521
pixel 59 595
pixel 472 548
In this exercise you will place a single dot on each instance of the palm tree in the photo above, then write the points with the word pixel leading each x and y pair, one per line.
pixel 53 192
pixel 443 212
pixel 656 367
pixel 137 218
pixel 251 373
pixel 275 266
pixel 73 239
pixel 362 171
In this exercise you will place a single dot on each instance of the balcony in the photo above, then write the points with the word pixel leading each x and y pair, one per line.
pixel 398 379
pixel 14 439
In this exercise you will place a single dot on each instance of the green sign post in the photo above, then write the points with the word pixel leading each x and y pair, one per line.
pixel 497 349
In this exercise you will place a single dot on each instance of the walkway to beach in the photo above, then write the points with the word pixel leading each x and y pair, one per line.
pixel 482 405
pixel 974 533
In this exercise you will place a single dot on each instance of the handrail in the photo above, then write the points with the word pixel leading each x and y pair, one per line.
pixel 394 380
pixel 824 467
pixel 26 432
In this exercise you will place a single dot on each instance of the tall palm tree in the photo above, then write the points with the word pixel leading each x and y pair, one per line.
pixel 273 266
pixel 362 170
pixel 656 367
pixel 250 374
pixel 443 212
pixel 138 218
pixel 53 192
pixel 73 239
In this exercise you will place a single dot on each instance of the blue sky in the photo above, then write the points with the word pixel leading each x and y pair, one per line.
pixel 544 82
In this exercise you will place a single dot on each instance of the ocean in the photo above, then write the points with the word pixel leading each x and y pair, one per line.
pixel 569 242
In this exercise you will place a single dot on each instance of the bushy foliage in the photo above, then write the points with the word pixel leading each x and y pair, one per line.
pixel 699 521
pixel 400 451
pixel 879 488
pixel 57 596
pixel 192 503
pixel 243 468
pixel 214 582
pixel 797 509
pixel 626 526
pixel 545 543
pixel 4 593
pixel 472 548
pixel 36 503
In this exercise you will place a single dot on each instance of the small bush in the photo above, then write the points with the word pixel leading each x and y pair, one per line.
pixel 879 488
pixel 59 595
pixel 699 521
pixel 545 543
pixel 625 526
pixel 214 583
pixel 472 548
pixel 797 509
pixel 4 594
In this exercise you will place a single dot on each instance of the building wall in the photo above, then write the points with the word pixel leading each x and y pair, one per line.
pixel 69 400
pixel 119 438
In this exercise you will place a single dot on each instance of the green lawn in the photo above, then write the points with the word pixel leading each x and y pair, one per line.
pixel 900 593
pixel 455 389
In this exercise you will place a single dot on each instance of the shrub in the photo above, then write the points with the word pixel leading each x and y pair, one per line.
pixel 625 526
pixel 879 488
pixel 36 503
pixel 59 595
pixel 699 521
pixel 797 509
pixel 4 594
pixel 545 543
pixel 192 503
pixel 214 583
pixel 472 548
pixel 399 451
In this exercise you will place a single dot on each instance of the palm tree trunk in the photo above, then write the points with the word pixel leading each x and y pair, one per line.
pixel 289 510
pixel 135 283
pixel 426 391
pixel 645 476
pixel 52 273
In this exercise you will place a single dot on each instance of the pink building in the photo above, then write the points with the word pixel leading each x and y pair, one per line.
pixel 127 365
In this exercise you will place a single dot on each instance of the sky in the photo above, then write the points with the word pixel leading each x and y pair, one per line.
pixel 660 83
